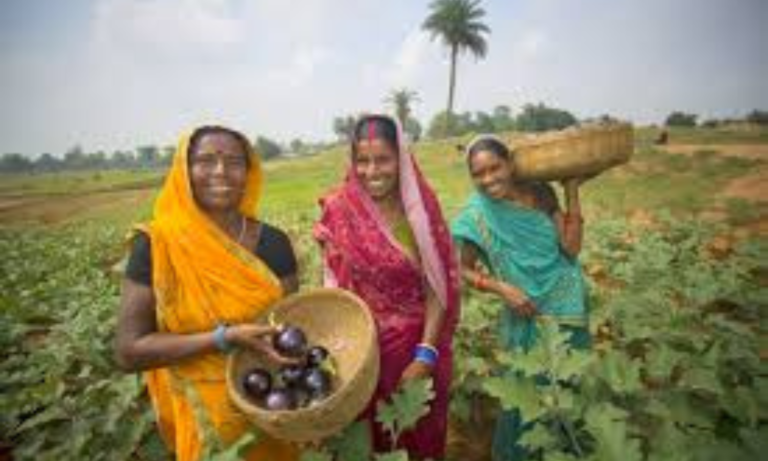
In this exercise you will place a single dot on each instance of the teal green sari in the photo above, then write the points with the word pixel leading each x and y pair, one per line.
pixel 521 246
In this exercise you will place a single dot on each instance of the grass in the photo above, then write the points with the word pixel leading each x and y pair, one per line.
pixel 70 182
pixel 654 180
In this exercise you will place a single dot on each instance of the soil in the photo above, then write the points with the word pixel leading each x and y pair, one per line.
pixel 55 209
pixel 748 151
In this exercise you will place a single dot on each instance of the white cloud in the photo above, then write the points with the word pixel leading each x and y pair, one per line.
pixel 302 67
pixel 532 44
pixel 166 26
pixel 409 62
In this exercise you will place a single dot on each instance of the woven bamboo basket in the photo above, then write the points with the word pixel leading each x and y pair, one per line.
pixel 339 321
pixel 583 151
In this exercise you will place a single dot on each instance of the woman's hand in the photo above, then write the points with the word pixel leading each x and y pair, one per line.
pixel 571 184
pixel 416 370
pixel 257 338
pixel 517 300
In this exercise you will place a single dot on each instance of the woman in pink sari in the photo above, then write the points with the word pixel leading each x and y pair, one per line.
pixel 384 238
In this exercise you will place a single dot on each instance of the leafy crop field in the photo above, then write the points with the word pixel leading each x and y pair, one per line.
pixel 675 254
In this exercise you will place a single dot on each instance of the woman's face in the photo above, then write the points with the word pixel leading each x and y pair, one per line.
pixel 376 164
pixel 218 172
pixel 491 173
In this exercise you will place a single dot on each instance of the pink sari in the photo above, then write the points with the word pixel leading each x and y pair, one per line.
pixel 361 254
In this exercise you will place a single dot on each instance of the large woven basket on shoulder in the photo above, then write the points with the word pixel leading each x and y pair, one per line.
pixel 339 321
pixel 583 151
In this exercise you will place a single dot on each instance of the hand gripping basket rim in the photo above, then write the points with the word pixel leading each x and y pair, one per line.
pixel 332 414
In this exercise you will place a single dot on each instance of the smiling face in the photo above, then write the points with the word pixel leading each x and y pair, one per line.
pixel 491 173
pixel 218 170
pixel 376 165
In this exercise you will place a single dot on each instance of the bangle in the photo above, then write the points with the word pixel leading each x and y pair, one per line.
pixel 426 353
pixel 480 282
pixel 220 340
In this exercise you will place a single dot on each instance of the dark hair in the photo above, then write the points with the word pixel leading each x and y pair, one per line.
pixel 198 134
pixel 492 145
pixel 377 127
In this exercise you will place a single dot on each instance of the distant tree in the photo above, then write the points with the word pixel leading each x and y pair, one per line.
pixel 483 123
pixel 343 126
pixel 166 155
pixel 74 158
pixel 401 101
pixel 457 24
pixel 444 125
pixel 297 146
pixel 96 160
pixel 502 119
pixel 440 125
pixel 681 119
pixel 15 163
pixel 710 123
pixel 148 156
pixel 538 117
pixel 122 159
pixel 413 129
pixel 47 162
pixel 759 117
pixel 267 148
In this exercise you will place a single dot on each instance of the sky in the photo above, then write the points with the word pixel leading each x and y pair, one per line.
pixel 117 74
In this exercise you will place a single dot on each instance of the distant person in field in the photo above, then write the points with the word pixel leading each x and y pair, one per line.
pixel 663 138
pixel 384 238
pixel 518 244
pixel 197 275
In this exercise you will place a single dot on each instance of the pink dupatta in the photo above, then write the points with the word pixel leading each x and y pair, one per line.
pixel 361 254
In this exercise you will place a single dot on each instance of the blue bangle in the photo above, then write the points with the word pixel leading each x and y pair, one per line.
pixel 425 354
pixel 220 340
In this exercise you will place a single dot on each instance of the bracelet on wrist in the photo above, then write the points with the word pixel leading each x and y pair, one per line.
pixel 426 353
pixel 480 282
pixel 220 340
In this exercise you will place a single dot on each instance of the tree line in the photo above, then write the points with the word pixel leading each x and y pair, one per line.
pixel 142 157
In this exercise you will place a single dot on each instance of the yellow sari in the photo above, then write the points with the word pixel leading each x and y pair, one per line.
pixel 202 278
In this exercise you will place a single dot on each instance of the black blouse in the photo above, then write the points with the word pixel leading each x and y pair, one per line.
pixel 273 247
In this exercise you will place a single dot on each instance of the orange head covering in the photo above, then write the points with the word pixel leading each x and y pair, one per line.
pixel 202 278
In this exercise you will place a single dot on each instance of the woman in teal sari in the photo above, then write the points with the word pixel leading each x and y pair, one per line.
pixel 529 246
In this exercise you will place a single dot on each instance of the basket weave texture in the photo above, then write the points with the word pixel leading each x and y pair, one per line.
pixel 583 151
pixel 339 321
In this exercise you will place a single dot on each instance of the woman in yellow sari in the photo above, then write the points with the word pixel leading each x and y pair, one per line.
pixel 197 276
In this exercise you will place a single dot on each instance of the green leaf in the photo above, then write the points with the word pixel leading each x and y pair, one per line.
pixel 702 379
pixel 620 372
pixel 608 425
pixel 516 392
pixel 573 364
pixel 406 406
pixel 353 444
pixel 312 455
pixel 661 360
pixel 538 437
pixel 755 441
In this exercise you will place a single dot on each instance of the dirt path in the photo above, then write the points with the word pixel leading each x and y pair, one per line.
pixel 59 208
pixel 752 187
pixel 748 151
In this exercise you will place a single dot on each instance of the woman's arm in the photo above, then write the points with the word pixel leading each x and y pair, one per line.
pixel 433 324
pixel 512 295
pixel 290 283
pixel 140 346
pixel 570 224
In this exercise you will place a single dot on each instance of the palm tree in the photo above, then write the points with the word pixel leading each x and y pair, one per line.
pixel 457 24
pixel 401 101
